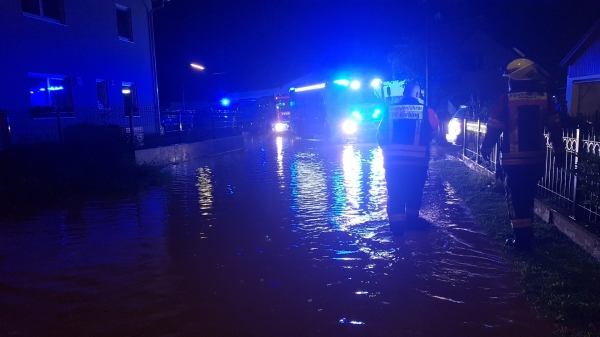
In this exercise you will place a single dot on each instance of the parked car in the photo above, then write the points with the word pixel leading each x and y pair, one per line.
pixel 455 126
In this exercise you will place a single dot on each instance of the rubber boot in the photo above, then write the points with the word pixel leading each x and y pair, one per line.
pixel 398 228
pixel 523 238
pixel 397 224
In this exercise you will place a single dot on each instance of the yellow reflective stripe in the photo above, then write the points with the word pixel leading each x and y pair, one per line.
pixel 521 223
pixel 397 217
pixel 522 161
pixel 406 147
pixel 412 154
pixel 514 140
pixel 399 162
pixel 494 123
pixel 526 96
pixel 412 212
pixel 552 119
pixel 523 158
pixel 523 154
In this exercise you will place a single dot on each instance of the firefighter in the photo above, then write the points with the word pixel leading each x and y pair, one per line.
pixel 404 135
pixel 520 116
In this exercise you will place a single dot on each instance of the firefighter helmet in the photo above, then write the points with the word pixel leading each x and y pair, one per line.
pixel 521 70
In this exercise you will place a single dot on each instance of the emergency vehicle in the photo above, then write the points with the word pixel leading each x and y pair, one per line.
pixel 341 110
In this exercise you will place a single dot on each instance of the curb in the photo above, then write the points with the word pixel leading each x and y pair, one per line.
pixel 178 153
pixel 581 236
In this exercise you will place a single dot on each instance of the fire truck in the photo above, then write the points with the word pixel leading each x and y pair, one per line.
pixel 283 123
pixel 342 110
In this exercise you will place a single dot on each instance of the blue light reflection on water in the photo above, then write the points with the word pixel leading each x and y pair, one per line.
pixel 346 195
pixel 301 243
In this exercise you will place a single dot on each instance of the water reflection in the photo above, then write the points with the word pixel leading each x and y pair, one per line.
pixel 279 144
pixel 351 163
pixel 205 189
pixel 316 258
pixel 309 190
pixel 377 186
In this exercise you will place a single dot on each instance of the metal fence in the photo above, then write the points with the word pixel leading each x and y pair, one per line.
pixel 565 187
pixel 150 129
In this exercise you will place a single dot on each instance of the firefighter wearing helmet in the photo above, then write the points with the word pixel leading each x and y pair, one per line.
pixel 520 117
pixel 404 135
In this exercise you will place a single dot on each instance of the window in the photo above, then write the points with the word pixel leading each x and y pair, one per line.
pixel 124 30
pixel 51 10
pixel 49 94
pixel 130 104
pixel 102 92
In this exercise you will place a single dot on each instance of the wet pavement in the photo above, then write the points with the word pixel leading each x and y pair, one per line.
pixel 286 238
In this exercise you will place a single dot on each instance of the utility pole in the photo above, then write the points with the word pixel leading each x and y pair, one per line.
pixel 156 5
pixel 426 53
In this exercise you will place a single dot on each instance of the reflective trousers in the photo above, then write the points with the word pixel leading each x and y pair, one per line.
pixel 405 185
pixel 520 185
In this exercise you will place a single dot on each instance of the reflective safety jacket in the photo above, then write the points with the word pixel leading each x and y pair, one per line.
pixel 405 133
pixel 521 118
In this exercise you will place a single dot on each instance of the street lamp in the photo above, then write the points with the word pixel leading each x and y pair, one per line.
pixel 195 66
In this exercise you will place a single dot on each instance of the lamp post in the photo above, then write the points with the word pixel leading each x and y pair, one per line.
pixel 156 5
pixel 194 66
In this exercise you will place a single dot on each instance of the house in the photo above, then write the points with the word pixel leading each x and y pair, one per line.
pixel 465 62
pixel 71 61
pixel 583 76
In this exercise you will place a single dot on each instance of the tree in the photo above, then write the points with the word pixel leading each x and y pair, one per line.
pixel 407 60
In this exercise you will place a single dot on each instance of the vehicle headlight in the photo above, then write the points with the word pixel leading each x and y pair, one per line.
pixel 349 126
pixel 454 127
pixel 280 127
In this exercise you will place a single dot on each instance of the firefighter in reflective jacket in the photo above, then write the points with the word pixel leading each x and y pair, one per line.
pixel 404 135
pixel 520 116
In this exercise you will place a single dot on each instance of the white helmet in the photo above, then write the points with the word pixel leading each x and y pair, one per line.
pixel 521 70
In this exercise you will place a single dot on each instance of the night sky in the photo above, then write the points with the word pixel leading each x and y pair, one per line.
pixel 256 44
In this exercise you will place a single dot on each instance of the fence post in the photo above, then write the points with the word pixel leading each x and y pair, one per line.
pixel 464 135
pixel 577 139
pixel 58 125
pixel 477 142
pixel 131 132
pixel 4 131
pixel 213 126
pixel 180 122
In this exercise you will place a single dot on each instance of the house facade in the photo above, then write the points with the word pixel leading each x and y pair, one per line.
pixel 583 77
pixel 470 66
pixel 70 61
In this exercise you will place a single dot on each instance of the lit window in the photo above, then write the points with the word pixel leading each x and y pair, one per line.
pixel 130 103
pixel 124 29
pixel 50 94
pixel 102 91
pixel 51 10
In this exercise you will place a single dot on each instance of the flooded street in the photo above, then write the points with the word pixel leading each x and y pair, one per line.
pixel 286 238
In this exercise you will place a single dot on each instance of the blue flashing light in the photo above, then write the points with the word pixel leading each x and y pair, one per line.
pixel 356 114
pixel 342 82
pixel 376 83
pixel 376 113
pixel 355 85
pixel 225 102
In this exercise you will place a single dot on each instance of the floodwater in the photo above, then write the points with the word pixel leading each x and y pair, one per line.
pixel 285 238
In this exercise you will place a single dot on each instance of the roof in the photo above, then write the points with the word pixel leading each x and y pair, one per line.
pixel 582 45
